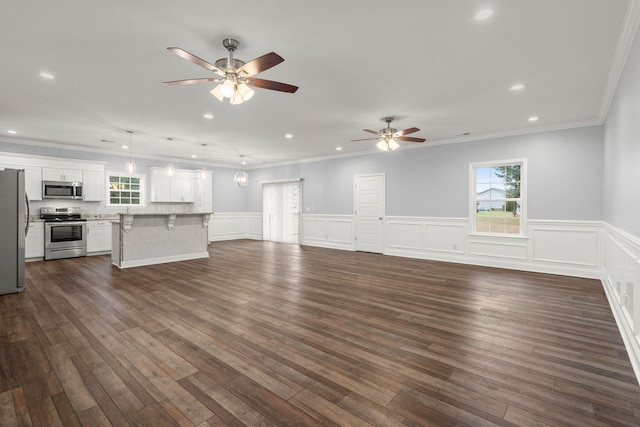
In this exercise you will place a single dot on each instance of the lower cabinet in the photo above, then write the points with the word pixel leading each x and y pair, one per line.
pixel 34 241
pixel 98 236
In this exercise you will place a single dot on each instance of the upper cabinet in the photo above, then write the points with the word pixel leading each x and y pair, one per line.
pixel 33 183
pixel 177 188
pixel 39 168
pixel 54 174
pixel 93 186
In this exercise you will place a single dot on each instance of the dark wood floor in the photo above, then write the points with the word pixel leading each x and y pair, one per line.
pixel 272 334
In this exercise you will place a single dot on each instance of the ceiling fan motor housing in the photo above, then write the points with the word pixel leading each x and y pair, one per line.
pixel 230 44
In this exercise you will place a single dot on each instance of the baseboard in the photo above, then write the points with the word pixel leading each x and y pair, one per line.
pixel 630 341
pixel 161 260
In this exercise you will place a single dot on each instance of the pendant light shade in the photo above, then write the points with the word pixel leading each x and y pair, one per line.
pixel 241 178
pixel 130 166
pixel 203 172
pixel 170 169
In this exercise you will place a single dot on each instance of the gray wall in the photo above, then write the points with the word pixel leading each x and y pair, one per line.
pixel 622 150
pixel 564 176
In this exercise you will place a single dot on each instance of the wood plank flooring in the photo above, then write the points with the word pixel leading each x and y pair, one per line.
pixel 265 334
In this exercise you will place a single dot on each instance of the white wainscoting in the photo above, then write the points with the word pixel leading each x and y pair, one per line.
pixel 560 247
pixel 620 279
pixel 328 231
pixel 235 225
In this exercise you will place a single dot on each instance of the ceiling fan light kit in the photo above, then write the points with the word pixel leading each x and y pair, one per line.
pixel 388 137
pixel 234 76
pixel 388 145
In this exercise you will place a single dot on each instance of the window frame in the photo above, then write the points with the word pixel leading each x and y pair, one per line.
pixel 473 166
pixel 143 190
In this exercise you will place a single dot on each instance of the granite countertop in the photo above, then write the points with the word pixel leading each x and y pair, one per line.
pixel 103 217
pixel 165 213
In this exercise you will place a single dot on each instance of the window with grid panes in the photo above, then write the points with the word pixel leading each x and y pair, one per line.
pixel 126 190
pixel 498 197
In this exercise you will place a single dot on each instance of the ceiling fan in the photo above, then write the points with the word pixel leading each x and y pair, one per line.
pixel 388 137
pixel 234 76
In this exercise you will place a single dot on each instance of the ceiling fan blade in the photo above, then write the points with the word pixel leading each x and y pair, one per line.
pixel 407 131
pixel 371 131
pixel 192 58
pixel 190 81
pixel 269 84
pixel 261 64
pixel 410 139
pixel 365 139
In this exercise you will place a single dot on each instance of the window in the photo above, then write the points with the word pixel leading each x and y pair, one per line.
pixel 125 190
pixel 498 197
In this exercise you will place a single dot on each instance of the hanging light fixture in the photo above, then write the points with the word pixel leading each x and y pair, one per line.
pixel 130 167
pixel 241 178
pixel 203 172
pixel 170 169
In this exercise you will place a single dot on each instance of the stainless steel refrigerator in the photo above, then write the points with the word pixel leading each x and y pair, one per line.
pixel 14 226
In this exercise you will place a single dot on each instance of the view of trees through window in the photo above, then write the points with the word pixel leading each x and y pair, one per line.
pixel 498 199
pixel 124 190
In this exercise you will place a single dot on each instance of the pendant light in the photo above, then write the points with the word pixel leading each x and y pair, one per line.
pixel 241 178
pixel 130 167
pixel 203 172
pixel 170 169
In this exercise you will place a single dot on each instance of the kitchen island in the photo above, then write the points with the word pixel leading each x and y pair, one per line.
pixel 154 238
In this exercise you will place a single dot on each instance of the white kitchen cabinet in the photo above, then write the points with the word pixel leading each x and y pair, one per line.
pixel 182 189
pixel 160 187
pixel 55 174
pixel 33 182
pixel 98 236
pixel 34 241
pixel 93 186
pixel 204 193
pixel 178 188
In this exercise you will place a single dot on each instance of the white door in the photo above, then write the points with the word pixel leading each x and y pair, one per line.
pixel 369 192
pixel 281 203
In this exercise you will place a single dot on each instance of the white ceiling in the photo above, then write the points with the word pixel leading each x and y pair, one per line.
pixel 427 62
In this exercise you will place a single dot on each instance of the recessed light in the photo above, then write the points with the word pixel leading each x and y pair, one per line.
pixel 194 156
pixel 12 132
pixel 47 75
pixel 243 162
pixel 483 14
pixel 124 147
pixel 533 119
pixel 208 116
pixel 517 87
pixel 288 136
pixel 339 148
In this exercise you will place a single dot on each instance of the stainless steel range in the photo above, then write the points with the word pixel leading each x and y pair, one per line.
pixel 65 233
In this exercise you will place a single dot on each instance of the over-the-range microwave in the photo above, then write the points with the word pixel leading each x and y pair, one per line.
pixel 61 190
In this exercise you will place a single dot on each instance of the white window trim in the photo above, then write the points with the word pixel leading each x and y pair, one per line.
pixel 143 188
pixel 523 196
